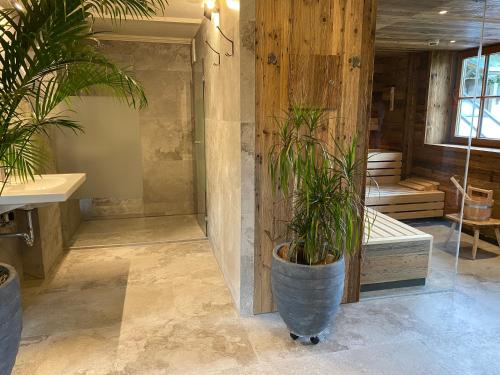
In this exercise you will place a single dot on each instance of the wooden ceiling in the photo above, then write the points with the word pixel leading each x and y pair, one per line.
pixel 411 24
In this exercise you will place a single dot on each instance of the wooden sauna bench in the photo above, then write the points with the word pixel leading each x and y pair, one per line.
pixel 396 255
pixel 399 202
pixel 384 166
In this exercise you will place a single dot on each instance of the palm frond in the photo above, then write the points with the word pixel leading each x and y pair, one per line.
pixel 48 52
pixel 23 159
pixel 322 187
pixel 121 9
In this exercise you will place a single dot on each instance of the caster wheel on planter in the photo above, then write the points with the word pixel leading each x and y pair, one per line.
pixel 314 340
pixel 293 336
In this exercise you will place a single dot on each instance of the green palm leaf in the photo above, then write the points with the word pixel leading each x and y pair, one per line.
pixel 48 53
pixel 327 220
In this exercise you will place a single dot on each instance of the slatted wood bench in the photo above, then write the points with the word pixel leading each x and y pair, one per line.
pixel 384 167
pixel 395 254
pixel 399 202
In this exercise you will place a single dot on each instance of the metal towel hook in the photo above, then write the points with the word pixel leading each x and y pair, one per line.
pixel 229 40
pixel 218 54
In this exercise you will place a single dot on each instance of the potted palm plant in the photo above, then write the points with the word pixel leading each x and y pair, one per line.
pixel 48 53
pixel 320 184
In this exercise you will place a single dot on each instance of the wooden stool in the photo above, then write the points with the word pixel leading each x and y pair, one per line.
pixel 476 226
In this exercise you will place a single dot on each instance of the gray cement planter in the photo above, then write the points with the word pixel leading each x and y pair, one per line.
pixel 307 296
pixel 10 320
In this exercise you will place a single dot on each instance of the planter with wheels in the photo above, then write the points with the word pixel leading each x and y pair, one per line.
pixel 307 296
pixel 10 318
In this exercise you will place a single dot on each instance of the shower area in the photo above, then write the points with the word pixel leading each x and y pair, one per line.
pixel 145 167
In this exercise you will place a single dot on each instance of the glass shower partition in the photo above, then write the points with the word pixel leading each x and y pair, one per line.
pixel 200 178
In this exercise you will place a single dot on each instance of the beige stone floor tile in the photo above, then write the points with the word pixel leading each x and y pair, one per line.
pixel 57 312
pixel 124 232
pixel 468 353
pixel 356 326
pixel 403 358
pixel 164 309
pixel 83 351
pixel 184 346
pixel 165 263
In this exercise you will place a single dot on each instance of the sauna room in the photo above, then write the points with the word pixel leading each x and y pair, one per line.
pixel 434 129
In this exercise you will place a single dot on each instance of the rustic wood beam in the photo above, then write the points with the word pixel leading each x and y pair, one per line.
pixel 331 44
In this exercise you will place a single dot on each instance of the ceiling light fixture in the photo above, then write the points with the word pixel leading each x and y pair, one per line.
pixel 233 4
pixel 443 12
pixel 210 4
pixel 212 11
pixel 453 41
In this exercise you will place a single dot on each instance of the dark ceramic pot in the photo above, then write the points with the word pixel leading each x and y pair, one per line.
pixel 307 296
pixel 10 320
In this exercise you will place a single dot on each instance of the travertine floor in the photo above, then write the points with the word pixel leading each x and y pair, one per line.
pixel 158 229
pixel 164 309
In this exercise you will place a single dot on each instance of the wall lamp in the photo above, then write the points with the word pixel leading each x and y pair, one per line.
pixel 211 11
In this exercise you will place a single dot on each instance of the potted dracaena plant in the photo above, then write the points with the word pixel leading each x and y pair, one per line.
pixel 320 184
pixel 49 53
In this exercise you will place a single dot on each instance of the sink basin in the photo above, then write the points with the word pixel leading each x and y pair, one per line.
pixel 50 188
pixel 46 182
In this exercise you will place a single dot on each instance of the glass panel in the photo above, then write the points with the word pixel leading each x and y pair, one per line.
pixel 493 81
pixel 417 74
pixel 467 117
pixel 200 174
pixel 490 127
pixel 112 133
pixel 479 279
pixel 469 71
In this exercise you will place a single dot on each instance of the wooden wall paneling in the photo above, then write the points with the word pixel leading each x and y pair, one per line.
pixel 320 91
pixel 409 122
pixel 272 32
pixel 354 112
pixel 440 97
pixel 391 71
pixel 323 38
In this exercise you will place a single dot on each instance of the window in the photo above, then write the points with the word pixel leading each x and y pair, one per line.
pixel 478 108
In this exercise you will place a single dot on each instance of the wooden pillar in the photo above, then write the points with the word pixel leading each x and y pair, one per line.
pixel 320 52
pixel 439 97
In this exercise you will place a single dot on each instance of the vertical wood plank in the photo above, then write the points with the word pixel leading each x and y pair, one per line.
pixel 318 31
pixel 359 41
pixel 409 122
pixel 439 101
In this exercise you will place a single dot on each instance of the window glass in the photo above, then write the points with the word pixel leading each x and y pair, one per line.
pixel 493 81
pixel 469 72
pixel 490 127
pixel 480 118
pixel 467 117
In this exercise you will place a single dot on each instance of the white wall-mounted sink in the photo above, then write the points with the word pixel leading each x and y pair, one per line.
pixel 48 188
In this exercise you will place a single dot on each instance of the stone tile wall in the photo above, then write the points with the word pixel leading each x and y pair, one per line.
pixel 166 131
pixel 230 140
